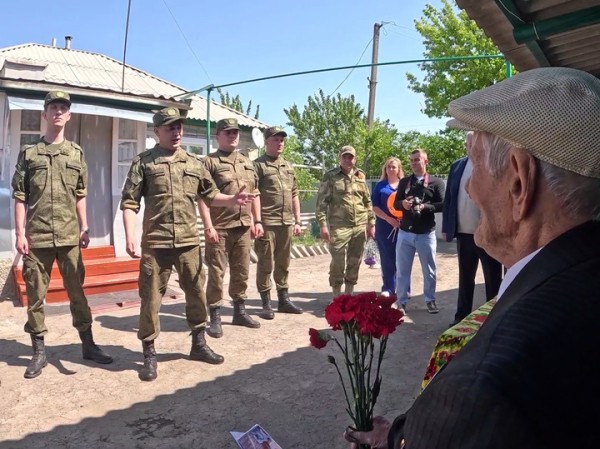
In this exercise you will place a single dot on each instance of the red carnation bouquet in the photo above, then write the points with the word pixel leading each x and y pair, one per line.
pixel 366 320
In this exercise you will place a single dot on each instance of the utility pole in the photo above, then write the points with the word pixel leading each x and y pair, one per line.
pixel 373 77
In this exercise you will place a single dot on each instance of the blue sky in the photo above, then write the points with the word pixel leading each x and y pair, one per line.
pixel 193 43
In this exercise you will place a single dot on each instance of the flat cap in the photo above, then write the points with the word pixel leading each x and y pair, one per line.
pixel 57 95
pixel 167 116
pixel 273 131
pixel 553 112
pixel 347 149
pixel 227 123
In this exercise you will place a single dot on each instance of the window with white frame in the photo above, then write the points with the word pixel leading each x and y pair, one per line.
pixel 194 145
pixel 128 141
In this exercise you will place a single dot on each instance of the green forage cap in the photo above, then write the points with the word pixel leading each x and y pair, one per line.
pixel 167 116
pixel 227 123
pixel 273 131
pixel 57 95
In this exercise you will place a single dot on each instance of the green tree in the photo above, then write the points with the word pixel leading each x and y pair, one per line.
pixel 308 178
pixel 236 104
pixel 447 32
pixel 329 122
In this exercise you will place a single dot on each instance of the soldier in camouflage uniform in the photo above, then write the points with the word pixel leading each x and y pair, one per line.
pixel 171 181
pixel 346 218
pixel 280 213
pixel 49 188
pixel 228 230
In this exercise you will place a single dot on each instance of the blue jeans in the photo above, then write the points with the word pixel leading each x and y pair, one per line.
pixel 425 245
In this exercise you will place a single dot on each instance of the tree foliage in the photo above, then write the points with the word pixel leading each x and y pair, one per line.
pixel 447 32
pixel 236 104
pixel 307 178
pixel 327 123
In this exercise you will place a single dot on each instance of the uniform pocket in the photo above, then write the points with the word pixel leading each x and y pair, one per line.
pixel 72 172
pixel 157 180
pixel 191 181
pixel 38 176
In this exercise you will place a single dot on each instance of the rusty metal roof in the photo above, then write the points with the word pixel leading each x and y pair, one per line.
pixel 36 64
pixel 541 33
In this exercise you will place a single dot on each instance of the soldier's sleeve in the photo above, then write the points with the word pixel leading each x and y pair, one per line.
pixel 133 188
pixel 323 199
pixel 294 183
pixel 369 206
pixel 256 192
pixel 19 184
pixel 207 189
pixel 82 182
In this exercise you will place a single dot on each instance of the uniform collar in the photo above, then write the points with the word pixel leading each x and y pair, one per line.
pixel 162 155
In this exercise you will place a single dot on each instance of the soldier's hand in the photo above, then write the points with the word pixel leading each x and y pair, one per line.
pixel 22 245
pixel 131 249
pixel 242 197
pixel 258 231
pixel 84 239
pixel 371 231
pixel 211 235
pixel 325 234
pixel 297 229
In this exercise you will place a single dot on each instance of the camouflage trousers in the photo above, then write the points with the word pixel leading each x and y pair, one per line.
pixel 37 268
pixel 346 247
pixel 233 248
pixel 274 253
pixel 155 270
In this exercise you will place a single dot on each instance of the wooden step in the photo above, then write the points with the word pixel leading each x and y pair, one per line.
pixel 93 285
pixel 103 273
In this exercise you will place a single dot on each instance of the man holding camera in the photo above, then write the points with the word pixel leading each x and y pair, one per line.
pixel 419 197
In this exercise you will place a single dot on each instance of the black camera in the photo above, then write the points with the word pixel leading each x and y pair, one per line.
pixel 416 210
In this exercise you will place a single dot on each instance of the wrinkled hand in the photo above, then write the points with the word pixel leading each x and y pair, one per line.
pixel 211 235
pixel 257 231
pixel 297 230
pixel 376 438
pixel 131 249
pixel 22 245
pixel 84 239
pixel 242 197
pixel 325 234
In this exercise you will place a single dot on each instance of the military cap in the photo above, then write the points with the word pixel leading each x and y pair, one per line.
pixel 227 123
pixel 273 131
pixel 347 149
pixel 552 112
pixel 167 116
pixel 57 95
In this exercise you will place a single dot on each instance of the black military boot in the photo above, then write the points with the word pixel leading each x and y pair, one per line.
pixel 240 318
pixel 148 371
pixel 200 350
pixel 38 361
pixel 91 351
pixel 285 305
pixel 267 312
pixel 215 330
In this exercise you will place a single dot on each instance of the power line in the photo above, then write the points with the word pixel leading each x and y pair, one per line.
pixel 187 42
pixel 352 70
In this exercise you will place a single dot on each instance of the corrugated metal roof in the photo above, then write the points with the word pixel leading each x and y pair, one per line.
pixel 538 33
pixel 82 69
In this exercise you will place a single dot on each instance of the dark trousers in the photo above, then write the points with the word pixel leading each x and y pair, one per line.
pixel 469 255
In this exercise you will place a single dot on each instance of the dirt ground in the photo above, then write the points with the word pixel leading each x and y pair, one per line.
pixel 271 375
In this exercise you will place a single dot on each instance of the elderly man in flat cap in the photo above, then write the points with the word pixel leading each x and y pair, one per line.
pixel 171 182
pixel 50 188
pixel 527 379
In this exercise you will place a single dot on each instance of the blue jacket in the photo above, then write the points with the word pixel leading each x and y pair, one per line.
pixel 450 210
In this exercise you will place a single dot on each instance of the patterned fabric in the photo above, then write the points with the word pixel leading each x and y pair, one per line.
pixel 50 179
pixel 453 340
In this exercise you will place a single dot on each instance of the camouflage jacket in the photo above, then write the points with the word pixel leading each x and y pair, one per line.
pixel 231 171
pixel 344 200
pixel 50 184
pixel 277 186
pixel 170 189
